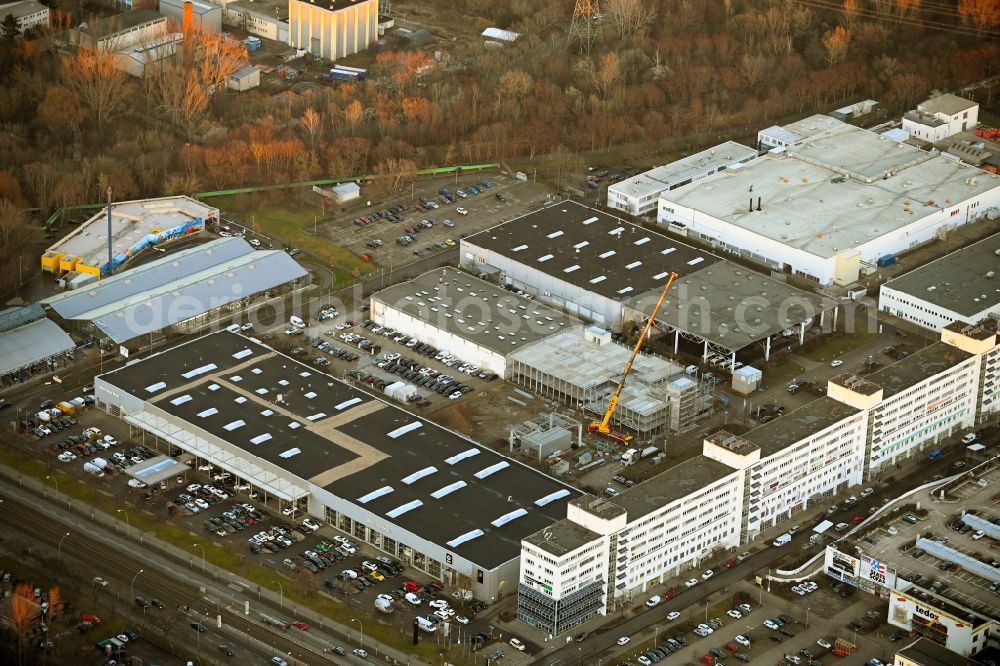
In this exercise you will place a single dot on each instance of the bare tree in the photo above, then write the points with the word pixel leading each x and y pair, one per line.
pixel 181 87
pixel 630 18
pixel 94 76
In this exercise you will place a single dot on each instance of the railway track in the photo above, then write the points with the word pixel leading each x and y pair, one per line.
pixel 123 567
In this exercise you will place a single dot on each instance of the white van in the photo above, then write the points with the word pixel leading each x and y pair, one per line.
pixel 969 438
pixel 296 322
pixel 425 625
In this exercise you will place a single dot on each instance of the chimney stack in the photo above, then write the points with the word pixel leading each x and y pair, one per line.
pixel 758 203
pixel 110 251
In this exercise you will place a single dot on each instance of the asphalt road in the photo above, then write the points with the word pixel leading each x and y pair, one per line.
pixel 188 597
pixel 756 563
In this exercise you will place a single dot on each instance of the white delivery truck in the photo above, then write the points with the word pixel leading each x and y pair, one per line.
pixel 782 540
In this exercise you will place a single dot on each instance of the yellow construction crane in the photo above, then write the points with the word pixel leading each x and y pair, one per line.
pixel 604 425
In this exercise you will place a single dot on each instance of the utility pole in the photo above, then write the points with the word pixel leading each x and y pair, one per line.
pixel 583 28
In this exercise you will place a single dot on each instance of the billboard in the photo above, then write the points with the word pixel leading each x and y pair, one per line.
pixel 840 565
pixel 877 572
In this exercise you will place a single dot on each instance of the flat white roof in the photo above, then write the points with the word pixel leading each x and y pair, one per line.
pixel 131 221
pixel 837 191
pixel 668 175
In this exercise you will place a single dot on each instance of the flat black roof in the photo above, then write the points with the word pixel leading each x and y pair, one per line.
pixel 592 250
pixel 475 310
pixel 798 424
pixel 926 652
pixel 351 444
pixel 923 364
pixel 965 281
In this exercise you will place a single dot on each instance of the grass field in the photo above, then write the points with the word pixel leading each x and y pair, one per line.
pixel 781 374
pixel 837 344
pixel 283 216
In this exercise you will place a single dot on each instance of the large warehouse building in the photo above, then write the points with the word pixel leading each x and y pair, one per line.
pixel 28 339
pixel 829 206
pixel 180 293
pixel 611 272
pixel 539 348
pixel 471 319
pixel 608 551
pixel 638 195
pixel 962 286
pixel 83 255
pixel 436 500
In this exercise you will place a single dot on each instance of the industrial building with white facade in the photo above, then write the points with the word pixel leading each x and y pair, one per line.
pixel 961 286
pixel 609 271
pixel 830 201
pixel 639 194
pixel 608 550
pixel 476 321
pixel 438 501
pixel 540 348
pixel 179 293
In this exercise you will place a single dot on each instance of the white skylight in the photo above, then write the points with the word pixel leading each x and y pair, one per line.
pixel 260 439
pixel 581 245
pixel 545 257
pixel 555 234
pixel 211 411
pixel 402 430
pixel 599 278
pixel 243 353
pixel 492 469
pixel 375 494
pixel 233 425
pixel 346 404
pixel 634 264
pixel 507 517
pixel 416 476
pixel 590 220
pixel 400 510
pixel 290 452
pixel 696 260
pixel 447 490
pixel 468 453
pixel 552 497
pixel 199 371
pixel 316 417
pixel 180 400
pixel 574 267
pixel 642 241
pixel 605 255
pixel 468 536
pixel 153 388
pixel 519 248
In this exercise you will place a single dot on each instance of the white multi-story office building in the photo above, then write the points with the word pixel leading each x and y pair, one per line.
pixel 27 14
pixel 607 551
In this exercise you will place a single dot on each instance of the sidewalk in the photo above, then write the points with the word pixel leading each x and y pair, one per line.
pixel 216 582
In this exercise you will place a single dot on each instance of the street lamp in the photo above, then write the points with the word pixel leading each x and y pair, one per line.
pixel 128 525
pixel 56 482
pixel 202 556
pixel 133 581
pixel 59 548
pixel 361 643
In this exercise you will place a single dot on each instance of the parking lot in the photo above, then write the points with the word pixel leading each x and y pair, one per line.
pixel 430 219
pixel 777 626
pixel 894 540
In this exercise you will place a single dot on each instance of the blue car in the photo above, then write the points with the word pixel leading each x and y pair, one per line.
pixel 471 190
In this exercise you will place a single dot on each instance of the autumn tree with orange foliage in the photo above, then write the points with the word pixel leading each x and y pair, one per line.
pixel 836 42
pixel 180 88
pixel 980 15
pixel 23 613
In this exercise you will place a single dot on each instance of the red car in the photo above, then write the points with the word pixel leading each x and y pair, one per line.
pixel 366 256
pixel 299 624
pixel 857 520
pixel 411 586
pixel 730 563
pixel 707 659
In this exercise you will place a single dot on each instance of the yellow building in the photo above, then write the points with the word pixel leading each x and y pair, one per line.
pixel 332 29
pixel 85 254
